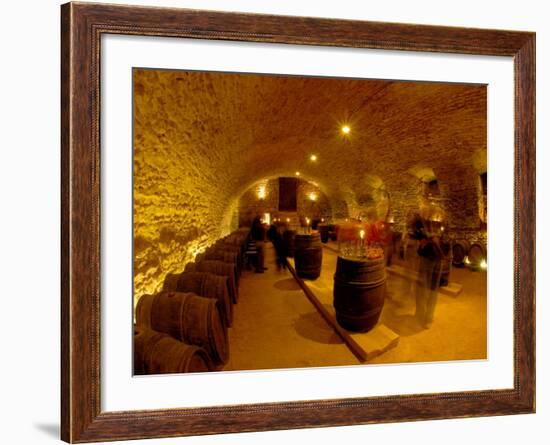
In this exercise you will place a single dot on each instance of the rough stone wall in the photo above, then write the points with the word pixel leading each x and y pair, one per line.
pixel 312 209
pixel 460 202
pixel 181 190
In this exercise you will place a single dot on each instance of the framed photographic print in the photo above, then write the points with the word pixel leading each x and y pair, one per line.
pixel 274 222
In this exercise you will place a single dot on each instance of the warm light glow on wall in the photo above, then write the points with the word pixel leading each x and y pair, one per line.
pixel 313 158
pixel 262 192
pixel 194 251
pixel 297 173
pixel 313 196
pixel 267 218
pixel 483 264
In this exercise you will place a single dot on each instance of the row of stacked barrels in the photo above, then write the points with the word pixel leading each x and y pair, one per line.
pixel 473 255
pixel 184 328
pixel 307 251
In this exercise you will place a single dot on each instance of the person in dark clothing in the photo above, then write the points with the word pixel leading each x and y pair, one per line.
pixel 272 232
pixel 257 230
pixel 429 270
pixel 278 244
pixel 257 233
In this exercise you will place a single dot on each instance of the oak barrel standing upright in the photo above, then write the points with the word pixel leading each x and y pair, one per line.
pixel 359 292
pixel 308 255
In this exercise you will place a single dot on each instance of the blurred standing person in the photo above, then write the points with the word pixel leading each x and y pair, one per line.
pixel 257 232
pixel 429 274
pixel 409 245
pixel 279 245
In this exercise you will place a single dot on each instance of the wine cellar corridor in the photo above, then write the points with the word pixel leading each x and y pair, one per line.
pixel 295 222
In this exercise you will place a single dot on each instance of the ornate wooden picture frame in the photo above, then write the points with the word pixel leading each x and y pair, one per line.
pixel 82 26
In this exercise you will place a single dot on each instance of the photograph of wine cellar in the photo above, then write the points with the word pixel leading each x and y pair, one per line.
pixel 286 221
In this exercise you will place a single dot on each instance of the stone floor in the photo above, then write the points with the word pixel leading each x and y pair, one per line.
pixel 275 325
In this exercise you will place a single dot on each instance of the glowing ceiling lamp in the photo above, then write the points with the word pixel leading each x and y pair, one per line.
pixel 346 129
pixel 313 196
pixel 313 158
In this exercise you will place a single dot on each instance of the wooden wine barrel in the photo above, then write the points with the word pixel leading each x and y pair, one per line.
pixel 237 250
pixel 323 232
pixel 359 292
pixel 225 256
pixel 224 245
pixel 235 240
pixel 208 285
pixel 308 255
pixel 158 353
pixel 170 283
pixel 476 255
pixel 217 268
pixel 460 251
pixel 288 238
pixel 186 317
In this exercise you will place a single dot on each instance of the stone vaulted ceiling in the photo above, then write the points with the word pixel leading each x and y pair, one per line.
pixel 259 126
